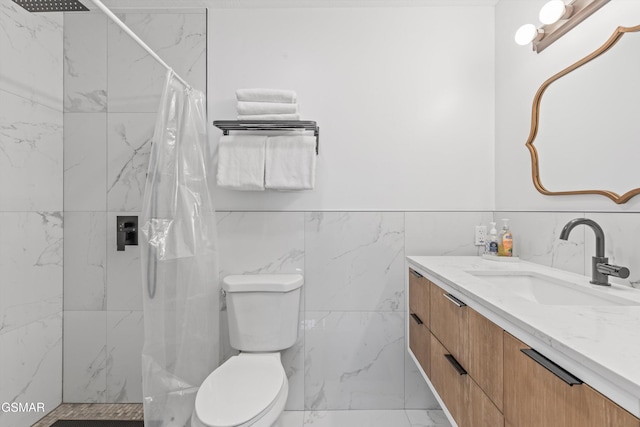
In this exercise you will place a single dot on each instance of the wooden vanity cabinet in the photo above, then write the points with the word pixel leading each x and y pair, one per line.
pixel 465 400
pixel 419 335
pixel 420 343
pixel 419 288
pixel 449 381
pixel 458 337
pixel 535 396
pixel 449 322
pixel 485 379
pixel 485 355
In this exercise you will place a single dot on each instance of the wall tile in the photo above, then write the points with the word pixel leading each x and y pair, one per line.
pixel 125 336
pixel 30 154
pixel 124 271
pixel 85 357
pixel 443 233
pixel 31 368
pixel 85 63
pixel 129 139
pixel 354 360
pixel 622 233
pixel 261 242
pixel 416 392
pixel 85 162
pixel 85 261
pixel 31 46
pixel 135 78
pixel 293 362
pixel 354 261
pixel 30 267
pixel 536 239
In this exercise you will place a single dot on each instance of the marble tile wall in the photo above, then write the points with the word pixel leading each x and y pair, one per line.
pixel 112 89
pixel 536 235
pixel 31 205
pixel 351 350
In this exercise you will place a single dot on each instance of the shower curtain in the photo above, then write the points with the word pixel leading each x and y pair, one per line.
pixel 179 261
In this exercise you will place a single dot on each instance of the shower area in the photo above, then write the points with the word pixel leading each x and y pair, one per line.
pixel 79 105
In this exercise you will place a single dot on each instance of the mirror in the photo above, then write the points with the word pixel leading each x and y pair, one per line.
pixel 585 123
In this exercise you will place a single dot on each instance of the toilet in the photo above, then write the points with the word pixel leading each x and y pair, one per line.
pixel 251 389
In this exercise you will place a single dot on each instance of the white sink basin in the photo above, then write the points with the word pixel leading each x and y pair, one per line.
pixel 548 290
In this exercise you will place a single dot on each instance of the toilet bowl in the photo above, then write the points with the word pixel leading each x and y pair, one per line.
pixel 247 390
pixel 251 389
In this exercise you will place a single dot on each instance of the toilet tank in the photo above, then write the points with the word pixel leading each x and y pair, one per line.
pixel 263 310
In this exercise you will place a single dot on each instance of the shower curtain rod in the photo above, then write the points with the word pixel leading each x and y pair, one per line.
pixel 137 39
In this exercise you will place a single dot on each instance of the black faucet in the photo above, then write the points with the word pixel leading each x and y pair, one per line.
pixel 127 232
pixel 600 267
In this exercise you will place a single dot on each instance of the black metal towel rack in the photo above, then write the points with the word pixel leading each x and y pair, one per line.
pixel 269 125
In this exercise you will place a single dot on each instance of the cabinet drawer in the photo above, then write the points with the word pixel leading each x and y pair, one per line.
pixel 537 393
pixel 420 342
pixel 419 296
pixel 449 322
pixel 449 381
pixel 485 355
pixel 482 411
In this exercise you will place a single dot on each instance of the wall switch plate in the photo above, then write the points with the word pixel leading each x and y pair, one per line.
pixel 481 235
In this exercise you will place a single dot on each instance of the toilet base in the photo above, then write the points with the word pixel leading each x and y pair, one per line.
pixel 266 418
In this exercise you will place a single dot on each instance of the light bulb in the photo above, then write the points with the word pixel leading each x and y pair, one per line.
pixel 526 34
pixel 553 11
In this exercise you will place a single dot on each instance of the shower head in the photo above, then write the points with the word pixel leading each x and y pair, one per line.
pixel 52 5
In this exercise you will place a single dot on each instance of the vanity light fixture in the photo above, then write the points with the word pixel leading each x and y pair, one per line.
pixel 554 11
pixel 557 18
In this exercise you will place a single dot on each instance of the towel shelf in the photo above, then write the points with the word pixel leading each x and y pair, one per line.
pixel 269 125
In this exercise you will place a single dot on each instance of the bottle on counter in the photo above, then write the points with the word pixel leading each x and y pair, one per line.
pixel 491 247
pixel 505 241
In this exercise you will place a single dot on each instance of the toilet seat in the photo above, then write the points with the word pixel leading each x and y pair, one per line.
pixel 241 390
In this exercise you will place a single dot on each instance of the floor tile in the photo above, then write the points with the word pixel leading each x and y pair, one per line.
pixel 431 418
pixel 383 418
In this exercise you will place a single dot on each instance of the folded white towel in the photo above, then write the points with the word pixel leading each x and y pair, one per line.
pixel 269 117
pixel 266 95
pixel 241 160
pixel 245 107
pixel 291 162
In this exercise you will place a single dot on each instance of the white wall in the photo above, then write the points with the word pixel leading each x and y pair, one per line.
pixel 31 181
pixel 519 74
pixel 404 98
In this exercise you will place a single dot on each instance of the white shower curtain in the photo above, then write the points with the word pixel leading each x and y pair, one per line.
pixel 179 261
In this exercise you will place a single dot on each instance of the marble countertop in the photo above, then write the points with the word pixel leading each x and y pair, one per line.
pixel 599 344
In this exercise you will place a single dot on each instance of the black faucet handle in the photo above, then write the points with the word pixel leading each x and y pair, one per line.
pixel 613 270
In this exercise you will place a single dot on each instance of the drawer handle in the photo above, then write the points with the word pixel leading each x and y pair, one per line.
pixel 415 273
pixel 454 300
pixel 456 365
pixel 551 367
pixel 416 318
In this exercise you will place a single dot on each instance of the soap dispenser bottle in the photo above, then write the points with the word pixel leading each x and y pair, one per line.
pixel 505 242
pixel 492 240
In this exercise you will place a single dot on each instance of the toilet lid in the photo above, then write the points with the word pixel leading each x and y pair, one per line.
pixel 239 389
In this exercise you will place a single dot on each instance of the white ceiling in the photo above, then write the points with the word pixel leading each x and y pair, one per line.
pixel 166 4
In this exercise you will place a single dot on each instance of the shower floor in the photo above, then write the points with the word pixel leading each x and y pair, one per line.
pixel 369 418
pixel 92 411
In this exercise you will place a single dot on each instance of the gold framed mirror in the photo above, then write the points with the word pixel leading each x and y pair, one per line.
pixel 587 130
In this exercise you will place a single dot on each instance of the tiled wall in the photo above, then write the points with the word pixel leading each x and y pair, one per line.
pixel 112 89
pixel 351 348
pixel 536 236
pixel 30 211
